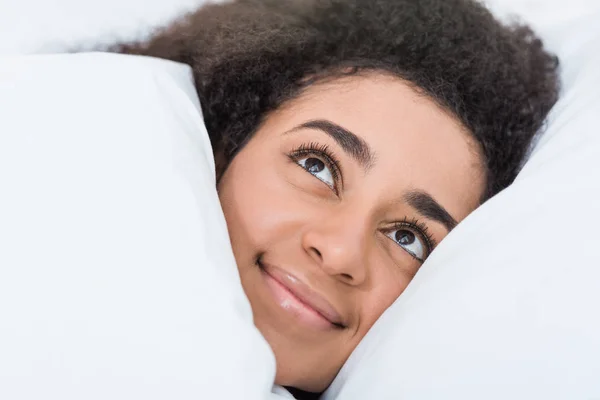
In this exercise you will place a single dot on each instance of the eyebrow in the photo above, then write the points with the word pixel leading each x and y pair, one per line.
pixel 428 207
pixel 353 145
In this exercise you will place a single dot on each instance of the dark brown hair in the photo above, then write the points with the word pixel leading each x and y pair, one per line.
pixel 251 56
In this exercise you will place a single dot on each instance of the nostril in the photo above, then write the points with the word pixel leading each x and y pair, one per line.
pixel 347 277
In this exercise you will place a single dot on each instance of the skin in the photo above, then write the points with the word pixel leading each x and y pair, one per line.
pixel 290 227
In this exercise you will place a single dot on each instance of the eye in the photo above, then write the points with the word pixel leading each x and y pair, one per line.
pixel 320 162
pixel 409 242
pixel 413 239
pixel 319 169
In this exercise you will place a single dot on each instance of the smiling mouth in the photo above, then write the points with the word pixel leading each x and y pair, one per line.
pixel 298 299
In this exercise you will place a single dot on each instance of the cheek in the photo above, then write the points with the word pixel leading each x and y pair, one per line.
pixel 259 205
pixel 387 284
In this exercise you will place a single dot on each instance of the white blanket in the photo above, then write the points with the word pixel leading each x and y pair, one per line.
pixel 117 279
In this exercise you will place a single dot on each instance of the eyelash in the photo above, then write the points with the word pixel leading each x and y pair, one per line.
pixel 322 152
pixel 421 229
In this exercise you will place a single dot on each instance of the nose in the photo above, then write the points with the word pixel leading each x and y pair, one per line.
pixel 338 244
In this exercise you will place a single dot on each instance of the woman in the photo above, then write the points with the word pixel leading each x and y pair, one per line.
pixel 351 136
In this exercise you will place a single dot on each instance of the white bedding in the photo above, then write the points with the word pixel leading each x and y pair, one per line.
pixel 117 279
pixel 35 26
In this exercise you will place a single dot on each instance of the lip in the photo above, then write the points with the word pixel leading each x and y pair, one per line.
pixel 313 302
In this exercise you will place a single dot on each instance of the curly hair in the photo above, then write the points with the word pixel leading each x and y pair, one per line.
pixel 251 56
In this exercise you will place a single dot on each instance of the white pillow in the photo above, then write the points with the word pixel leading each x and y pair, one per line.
pixel 117 279
pixel 42 26
pixel 507 307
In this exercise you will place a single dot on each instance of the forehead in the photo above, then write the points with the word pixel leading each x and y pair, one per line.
pixel 416 144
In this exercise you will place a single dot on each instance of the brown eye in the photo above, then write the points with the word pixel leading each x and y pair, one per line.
pixel 405 238
pixel 314 165
pixel 410 242
pixel 321 163
pixel 319 169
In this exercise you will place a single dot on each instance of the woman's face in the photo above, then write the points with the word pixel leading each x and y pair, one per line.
pixel 333 206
